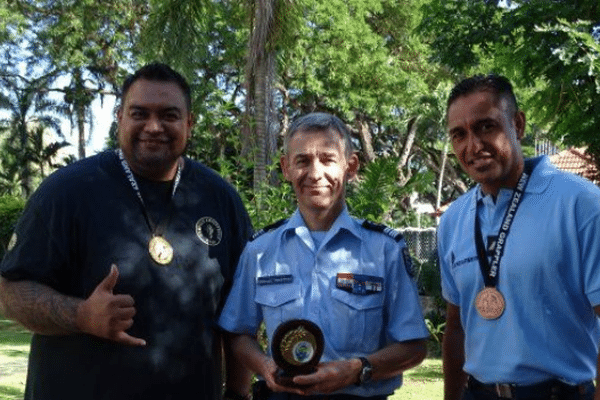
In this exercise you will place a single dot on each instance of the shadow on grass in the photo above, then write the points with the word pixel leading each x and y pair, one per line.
pixel 13 334
pixel 10 393
pixel 426 371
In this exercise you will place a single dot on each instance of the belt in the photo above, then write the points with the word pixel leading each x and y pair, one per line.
pixel 291 396
pixel 543 389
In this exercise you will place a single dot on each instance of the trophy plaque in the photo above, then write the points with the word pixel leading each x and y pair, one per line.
pixel 297 347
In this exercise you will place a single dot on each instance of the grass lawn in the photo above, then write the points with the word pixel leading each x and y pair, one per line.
pixel 14 348
pixel 424 382
pixel 421 383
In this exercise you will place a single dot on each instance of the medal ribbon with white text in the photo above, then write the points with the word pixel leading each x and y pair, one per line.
pixel 490 270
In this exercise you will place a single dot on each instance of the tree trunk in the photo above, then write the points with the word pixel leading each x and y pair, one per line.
pixel 366 139
pixel 25 168
pixel 408 144
pixel 260 67
pixel 81 130
pixel 261 110
pixel 438 198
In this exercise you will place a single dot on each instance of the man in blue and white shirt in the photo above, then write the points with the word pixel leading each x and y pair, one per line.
pixel 347 276
pixel 520 261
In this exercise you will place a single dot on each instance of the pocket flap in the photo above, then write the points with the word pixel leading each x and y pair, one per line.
pixel 277 295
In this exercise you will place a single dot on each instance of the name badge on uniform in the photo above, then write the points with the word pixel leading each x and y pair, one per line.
pixel 359 284
pixel 274 280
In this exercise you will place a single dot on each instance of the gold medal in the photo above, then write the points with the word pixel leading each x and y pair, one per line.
pixel 160 250
pixel 490 303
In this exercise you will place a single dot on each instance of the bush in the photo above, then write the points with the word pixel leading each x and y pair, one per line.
pixel 11 208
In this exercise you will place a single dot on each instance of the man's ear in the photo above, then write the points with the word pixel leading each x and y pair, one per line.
pixel 520 122
pixel 353 165
pixel 189 125
pixel 283 160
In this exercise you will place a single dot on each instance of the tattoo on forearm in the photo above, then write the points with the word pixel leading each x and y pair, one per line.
pixel 40 308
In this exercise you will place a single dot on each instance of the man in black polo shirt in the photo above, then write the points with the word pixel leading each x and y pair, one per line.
pixel 120 262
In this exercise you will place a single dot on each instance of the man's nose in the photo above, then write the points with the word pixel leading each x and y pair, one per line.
pixel 315 171
pixel 153 124
pixel 474 143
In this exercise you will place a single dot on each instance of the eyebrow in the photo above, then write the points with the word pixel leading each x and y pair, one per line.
pixel 166 109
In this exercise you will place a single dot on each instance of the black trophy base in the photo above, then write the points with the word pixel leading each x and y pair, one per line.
pixel 284 379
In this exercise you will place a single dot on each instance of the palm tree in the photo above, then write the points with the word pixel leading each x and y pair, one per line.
pixel 269 22
pixel 31 114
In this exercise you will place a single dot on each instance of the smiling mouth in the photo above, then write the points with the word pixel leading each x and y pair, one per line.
pixel 481 162
pixel 316 188
pixel 154 141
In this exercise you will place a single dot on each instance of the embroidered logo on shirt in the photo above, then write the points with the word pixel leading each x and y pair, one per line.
pixel 274 279
pixel 209 231
pixel 359 284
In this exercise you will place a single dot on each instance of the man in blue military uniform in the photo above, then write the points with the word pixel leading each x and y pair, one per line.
pixel 520 260
pixel 121 262
pixel 348 277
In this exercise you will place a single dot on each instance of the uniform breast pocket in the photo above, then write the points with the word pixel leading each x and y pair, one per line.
pixel 355 320
pixel 279 303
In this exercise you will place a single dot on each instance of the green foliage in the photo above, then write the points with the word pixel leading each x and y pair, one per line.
pixel 270 204
pixel 547 48
pixel 11 208
pixel 375 191
pixel 436 325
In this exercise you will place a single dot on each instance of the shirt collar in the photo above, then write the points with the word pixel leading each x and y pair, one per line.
pixel 343 222
pixel 540 166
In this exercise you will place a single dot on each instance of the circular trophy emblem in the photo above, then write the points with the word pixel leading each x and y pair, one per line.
pixel 297 347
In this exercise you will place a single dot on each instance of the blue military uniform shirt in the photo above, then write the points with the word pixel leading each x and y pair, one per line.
pixel 284 275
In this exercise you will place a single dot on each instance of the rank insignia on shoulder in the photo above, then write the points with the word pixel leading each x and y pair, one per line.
pixel 268 228
pixel 373 226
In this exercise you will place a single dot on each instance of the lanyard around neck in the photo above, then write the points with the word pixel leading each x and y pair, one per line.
pixel 136 188
pixel 490 270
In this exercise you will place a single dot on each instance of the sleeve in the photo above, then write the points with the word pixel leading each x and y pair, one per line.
pixel 588 210
pixel 241 231
pixel 404 313
pixel 449 289
pixel 241 313
pixel 42 248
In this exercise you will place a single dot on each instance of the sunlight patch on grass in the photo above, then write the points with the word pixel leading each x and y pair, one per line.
pixel 423 382
pixel 14 350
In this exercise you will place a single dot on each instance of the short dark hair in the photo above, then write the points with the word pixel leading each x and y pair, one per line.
pixel 497 84
pixel 319 122
pixel 158 72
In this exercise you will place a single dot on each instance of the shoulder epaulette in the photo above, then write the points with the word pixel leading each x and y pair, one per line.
pixel 373 226
pixel 268 228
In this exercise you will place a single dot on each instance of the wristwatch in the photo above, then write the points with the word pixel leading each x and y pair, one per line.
pixel 365 373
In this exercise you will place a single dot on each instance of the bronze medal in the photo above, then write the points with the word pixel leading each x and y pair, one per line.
pixel 490 303
pixel 160 250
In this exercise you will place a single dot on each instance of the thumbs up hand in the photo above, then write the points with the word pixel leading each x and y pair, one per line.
pixel 108 315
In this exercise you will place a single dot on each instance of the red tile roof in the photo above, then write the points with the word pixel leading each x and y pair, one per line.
pixel 575 160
